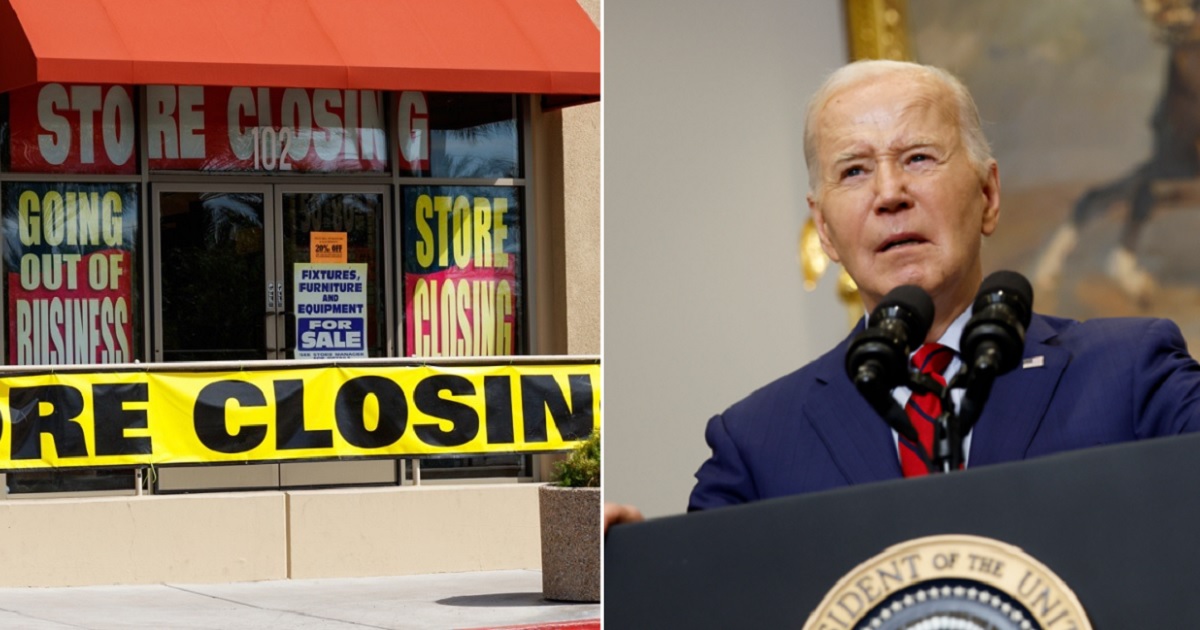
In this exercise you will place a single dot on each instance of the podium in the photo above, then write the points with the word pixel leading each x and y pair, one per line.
pixel 1120 525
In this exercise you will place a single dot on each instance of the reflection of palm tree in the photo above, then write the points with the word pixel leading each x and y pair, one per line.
pixel 359 203
pixel 485 150
pixel 14 249
pixel 308 212
pixel 229 213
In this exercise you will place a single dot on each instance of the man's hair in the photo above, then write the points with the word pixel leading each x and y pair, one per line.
pixel 969 126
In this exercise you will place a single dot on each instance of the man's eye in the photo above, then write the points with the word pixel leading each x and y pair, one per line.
pixel 852 171
pixel 919 157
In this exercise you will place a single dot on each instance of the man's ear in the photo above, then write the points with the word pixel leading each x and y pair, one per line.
pixel 991 196
pixel 818 216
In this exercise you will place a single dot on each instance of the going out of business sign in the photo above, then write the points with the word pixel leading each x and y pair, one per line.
pixel 69 265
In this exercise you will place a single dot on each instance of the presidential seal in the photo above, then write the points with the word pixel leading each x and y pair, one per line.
pixel 951 582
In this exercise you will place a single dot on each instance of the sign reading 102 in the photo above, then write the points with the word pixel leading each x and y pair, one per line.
pixel 271 148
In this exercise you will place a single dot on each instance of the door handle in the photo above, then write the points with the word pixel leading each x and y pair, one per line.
pixel 270 298
pixel 279 299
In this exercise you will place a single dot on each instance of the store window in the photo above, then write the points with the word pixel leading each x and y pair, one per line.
pixel 459 136
pixel 71 267
pixel 462 271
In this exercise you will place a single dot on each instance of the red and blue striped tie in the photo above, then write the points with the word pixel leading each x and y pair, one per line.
pixel 924 408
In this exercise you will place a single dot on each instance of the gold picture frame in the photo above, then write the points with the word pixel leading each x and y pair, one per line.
pixel 877 29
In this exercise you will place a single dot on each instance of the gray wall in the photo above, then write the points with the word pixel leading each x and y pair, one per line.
pixel 704 185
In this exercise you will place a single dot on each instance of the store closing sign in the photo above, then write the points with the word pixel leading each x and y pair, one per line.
pixel 88 420
pixel 77 129
pixel 61 128
pixel 265 129
pixel 461 262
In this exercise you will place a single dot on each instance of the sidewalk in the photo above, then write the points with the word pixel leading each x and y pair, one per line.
pixel 488 599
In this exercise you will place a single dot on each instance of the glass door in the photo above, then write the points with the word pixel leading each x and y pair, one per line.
pixel 332 266
pixel 226 287
pixel 213 297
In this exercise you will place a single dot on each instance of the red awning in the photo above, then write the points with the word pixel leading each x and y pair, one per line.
pixel 546 47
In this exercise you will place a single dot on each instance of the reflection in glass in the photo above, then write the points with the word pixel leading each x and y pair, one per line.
pixel 212 276
pixel 470 136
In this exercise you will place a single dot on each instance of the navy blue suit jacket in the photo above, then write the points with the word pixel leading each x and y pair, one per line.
pixel 1099 382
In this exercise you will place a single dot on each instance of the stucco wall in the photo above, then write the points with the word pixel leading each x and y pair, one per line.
pixel 581 187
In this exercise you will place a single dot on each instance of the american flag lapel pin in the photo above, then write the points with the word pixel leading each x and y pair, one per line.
pixel 1033 362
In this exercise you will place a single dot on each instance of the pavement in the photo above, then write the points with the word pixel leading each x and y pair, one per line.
pixel 485 599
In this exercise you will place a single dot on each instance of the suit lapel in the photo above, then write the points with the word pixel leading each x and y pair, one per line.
pixel 1018 402
pixel 858 440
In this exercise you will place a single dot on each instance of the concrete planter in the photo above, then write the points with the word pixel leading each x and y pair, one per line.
pixel 570 543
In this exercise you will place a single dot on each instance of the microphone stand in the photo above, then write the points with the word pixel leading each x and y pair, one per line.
pixel 952 427
pixel 947 441
pixel 978 387
pixel 881 400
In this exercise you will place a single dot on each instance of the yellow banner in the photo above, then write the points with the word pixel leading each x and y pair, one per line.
pixel 95 419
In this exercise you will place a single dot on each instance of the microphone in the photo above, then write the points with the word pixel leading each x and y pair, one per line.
pixel 994 338
pixel 878 356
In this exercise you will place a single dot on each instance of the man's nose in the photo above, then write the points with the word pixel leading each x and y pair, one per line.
pixel 891 188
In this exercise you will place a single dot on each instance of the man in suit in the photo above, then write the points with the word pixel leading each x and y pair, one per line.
pixel 903 188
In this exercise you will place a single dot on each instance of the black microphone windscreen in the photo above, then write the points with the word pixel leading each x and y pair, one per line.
pixel 917 302
pixel 1011 283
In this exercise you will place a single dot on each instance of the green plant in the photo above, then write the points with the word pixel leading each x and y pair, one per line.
pixel 581 469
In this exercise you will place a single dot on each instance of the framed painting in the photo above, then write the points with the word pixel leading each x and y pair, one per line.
pixel 1092 108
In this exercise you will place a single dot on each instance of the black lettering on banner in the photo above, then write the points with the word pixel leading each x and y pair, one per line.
pixel 209 416
pixel 66 403
pixel 427 397
pixel 497 397
pixel 393 411
pixel 289 419
pixel 112 418
pixel 541 393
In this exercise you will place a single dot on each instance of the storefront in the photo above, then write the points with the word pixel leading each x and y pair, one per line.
pixel 231 182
